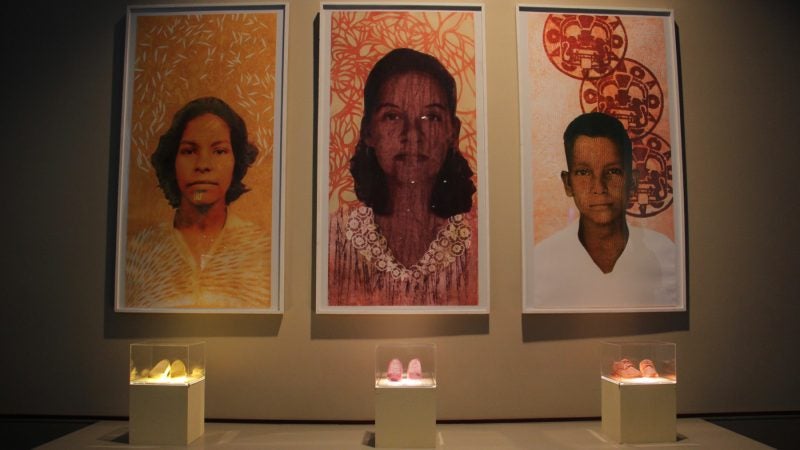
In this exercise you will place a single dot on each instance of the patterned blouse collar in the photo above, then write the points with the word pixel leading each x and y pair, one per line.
pixel 451 242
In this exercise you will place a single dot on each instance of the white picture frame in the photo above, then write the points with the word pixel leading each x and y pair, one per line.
pixel 176 58
pixel 352 38
pixel 562 74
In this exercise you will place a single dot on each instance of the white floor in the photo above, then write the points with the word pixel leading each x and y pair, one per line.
pixel 692 434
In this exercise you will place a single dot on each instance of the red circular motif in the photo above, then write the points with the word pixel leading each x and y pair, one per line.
pixel 583 46
pixel 631 93
pixel 652 160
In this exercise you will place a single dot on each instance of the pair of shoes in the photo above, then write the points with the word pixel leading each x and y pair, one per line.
pixel 624 368
pixel 395 370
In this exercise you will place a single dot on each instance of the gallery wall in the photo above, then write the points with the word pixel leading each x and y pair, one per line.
pixel 65 351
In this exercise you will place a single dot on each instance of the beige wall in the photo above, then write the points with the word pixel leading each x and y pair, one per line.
pixel 65 350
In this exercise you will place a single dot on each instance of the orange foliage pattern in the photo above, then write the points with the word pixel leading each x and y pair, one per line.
pixel 180 57
pixel 358 40
pixel 556 98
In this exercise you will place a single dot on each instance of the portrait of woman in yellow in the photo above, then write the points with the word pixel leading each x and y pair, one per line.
pixel 205 256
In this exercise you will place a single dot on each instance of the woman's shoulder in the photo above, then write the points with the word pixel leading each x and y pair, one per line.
pixel 152 234
pixel 347 210
pixel 153 243
pixel 235 222
pixel 351 217
pixel 240 229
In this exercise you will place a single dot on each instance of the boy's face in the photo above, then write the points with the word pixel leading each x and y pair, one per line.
pixel 597 181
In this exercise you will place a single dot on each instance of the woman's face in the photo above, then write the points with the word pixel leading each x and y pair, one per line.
pixel 411 128
pixel 204 163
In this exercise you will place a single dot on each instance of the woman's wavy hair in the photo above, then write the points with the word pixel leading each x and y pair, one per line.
pixel 452 193
pixel 163 159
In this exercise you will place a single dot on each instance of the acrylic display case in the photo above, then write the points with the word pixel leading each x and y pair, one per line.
pixel 405 365
pixel 168 363
pixel 167 393
pixel 638 383
pixel 405 396
pixel 639 362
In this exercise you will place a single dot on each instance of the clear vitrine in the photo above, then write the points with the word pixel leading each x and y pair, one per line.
pixel 639 362
pixel 167 363
pixel 405 365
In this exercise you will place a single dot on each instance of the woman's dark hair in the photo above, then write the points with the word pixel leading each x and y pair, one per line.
pixel 163 159
pixel 597 124
pixel 452 193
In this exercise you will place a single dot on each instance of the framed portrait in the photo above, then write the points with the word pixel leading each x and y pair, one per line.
pixel 601 160
pixel 201 162
pixel 402 217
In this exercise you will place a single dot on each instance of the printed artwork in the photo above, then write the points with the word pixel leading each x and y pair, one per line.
pixel 574 65
pixel 401 158
pixel 201 160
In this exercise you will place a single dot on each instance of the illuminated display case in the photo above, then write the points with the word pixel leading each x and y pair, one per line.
pixel 163 364
pixel 405 365
pixel 405 396
pixel 167 393
pixel 638 383
pixel 639 362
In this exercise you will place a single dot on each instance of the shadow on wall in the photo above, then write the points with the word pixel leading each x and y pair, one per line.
pixel 549 327
pixel 336 326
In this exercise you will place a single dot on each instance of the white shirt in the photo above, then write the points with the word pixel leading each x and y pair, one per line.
pixel 566 279
pixel 161 272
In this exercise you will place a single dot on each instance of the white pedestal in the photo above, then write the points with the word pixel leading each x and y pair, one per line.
pixel 405 417
pixel 636 413
pixel 166 415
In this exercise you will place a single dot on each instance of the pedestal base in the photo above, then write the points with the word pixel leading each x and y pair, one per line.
pixel 635 413
pixel 405 417
pixel 166 415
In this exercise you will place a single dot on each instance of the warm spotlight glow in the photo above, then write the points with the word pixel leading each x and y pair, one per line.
pixel 640 380
pixel 385 382
pixel 166 373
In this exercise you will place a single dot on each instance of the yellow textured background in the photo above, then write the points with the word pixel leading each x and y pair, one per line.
pixel 181 57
